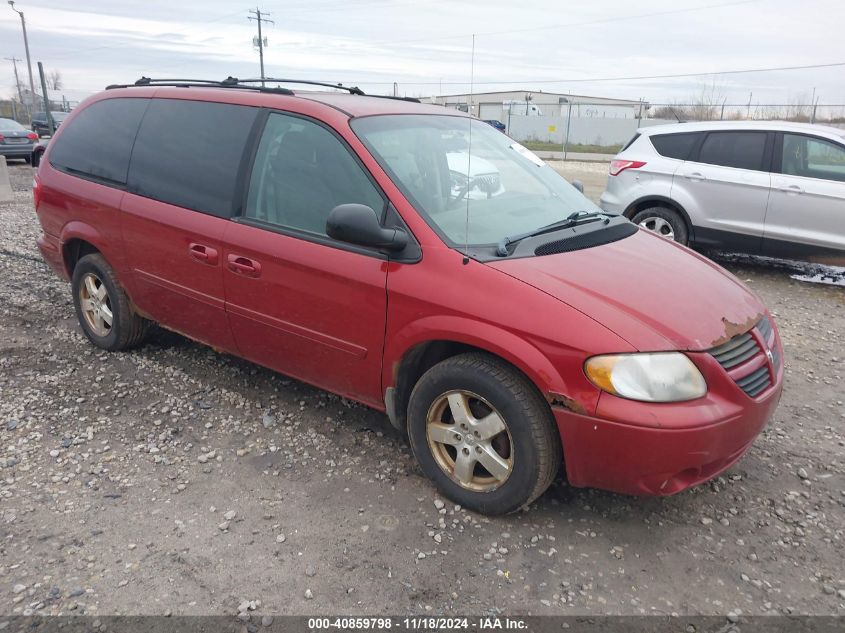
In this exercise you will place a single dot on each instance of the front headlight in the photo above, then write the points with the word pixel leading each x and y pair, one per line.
pixel 660 377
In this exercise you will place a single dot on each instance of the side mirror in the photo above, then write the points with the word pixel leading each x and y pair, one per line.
pixel 578 185
pixel 359 224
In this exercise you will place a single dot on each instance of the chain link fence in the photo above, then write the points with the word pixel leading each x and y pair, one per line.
pixel 574 132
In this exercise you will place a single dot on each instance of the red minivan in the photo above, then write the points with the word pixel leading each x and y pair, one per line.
pixel 418 261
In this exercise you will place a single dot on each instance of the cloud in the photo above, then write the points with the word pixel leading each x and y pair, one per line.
pixel 424 44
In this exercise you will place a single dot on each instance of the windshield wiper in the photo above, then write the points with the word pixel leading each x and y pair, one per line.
pixel 572 219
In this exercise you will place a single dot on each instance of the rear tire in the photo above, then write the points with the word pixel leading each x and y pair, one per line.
pixel 481 431
pixel 663 221
pixel 102 307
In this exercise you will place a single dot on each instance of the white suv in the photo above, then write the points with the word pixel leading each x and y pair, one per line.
pixel 764 187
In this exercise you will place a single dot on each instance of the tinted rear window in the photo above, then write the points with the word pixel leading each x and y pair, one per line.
pixel 98 142
pixel 188 153
pixel 734 149
pixel 674 145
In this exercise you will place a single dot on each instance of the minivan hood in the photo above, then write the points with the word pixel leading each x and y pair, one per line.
pixel 655 294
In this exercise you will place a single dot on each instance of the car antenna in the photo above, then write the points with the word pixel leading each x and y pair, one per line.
pixel 675 114
pixel 469 150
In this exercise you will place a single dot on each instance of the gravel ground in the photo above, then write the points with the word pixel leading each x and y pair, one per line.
pixel 177 480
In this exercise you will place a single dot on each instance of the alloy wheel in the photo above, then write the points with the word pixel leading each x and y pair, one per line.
pixel 658 225
pixel 96 305
pixel 469 440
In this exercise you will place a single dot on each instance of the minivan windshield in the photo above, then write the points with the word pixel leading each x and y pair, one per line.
pixel 448 165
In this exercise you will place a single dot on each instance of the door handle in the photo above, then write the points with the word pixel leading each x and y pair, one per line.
pixel 791 189
pixel 244 265
pixel 203 253
pixel 695 175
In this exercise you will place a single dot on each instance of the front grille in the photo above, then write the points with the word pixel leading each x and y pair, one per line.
pixel 736 351
pixel 756 381
pixel 743 348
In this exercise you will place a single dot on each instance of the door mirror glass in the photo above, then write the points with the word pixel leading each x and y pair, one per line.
pixel 359 224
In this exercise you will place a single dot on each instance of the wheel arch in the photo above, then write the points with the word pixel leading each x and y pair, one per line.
pixel 654 200
pixel 411 356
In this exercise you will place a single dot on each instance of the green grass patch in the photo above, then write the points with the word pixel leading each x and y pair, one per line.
pixel 580 148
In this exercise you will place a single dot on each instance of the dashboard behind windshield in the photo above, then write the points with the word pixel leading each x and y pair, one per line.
pixel 448 165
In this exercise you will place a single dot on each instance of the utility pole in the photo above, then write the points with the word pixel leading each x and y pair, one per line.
pixel 51 125
pixel 15 61
pixel 26 46
pixel 261 41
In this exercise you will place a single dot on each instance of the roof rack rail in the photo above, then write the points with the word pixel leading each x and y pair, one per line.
pixel 234 82
pixel 355 90
pixel 229 82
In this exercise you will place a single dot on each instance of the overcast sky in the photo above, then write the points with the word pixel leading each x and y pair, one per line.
pixel 425 45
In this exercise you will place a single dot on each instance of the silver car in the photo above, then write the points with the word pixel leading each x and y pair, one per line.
pixel 15 140
pixel 771 188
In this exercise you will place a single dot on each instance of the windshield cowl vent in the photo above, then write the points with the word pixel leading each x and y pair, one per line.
pixel 580 241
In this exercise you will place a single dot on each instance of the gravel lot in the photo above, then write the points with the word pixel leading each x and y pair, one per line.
pixel 177 480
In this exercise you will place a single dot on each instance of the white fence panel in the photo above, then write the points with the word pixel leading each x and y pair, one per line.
pixel 582 130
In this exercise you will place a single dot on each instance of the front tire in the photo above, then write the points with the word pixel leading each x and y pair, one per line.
pixel 663 221
pixel 102 307
pixel 481 431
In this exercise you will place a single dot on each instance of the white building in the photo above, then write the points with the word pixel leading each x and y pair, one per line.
pixel 498 105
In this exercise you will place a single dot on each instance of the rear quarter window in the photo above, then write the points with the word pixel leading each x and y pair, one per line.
pixel 97 143
pixel 675 145
pixel 189 154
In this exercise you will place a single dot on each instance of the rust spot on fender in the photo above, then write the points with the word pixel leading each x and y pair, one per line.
pixel 733 329
pixel 559 400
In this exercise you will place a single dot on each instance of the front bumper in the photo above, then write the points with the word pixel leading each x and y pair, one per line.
pixel 640 448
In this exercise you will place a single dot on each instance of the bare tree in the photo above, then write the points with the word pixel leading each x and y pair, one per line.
pixel 54 80
pixel 705 105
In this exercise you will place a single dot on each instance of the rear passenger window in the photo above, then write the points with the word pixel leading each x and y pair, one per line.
pixel 674 145
pixel 734 149
pixel 302 171
pixel 98 141
pixel 189 153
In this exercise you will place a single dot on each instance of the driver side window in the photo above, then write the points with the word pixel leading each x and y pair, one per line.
pixel 302 171
pixel 812 157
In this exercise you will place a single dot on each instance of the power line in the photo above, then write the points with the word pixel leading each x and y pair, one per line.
pixel 600 79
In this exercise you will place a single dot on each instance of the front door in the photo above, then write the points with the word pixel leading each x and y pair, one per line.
pixel 806 217
pixel 299 302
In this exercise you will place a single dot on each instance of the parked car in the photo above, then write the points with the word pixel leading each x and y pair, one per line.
pixel 41 126
pixel 496 124
pixel 38 151
pixel 319 235
pixel 15 140
pixel 770 188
